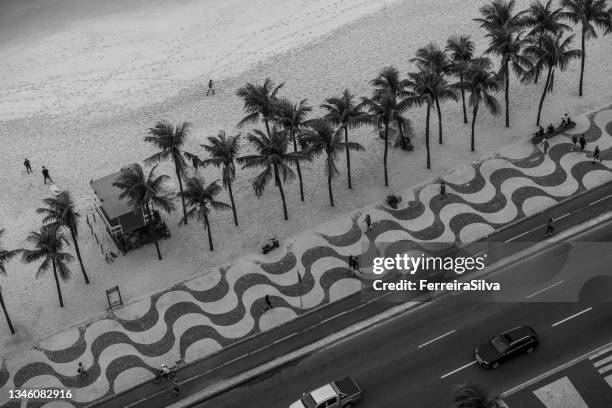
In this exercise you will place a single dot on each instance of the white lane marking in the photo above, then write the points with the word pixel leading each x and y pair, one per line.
pixel 572 316
pixel 525 233
pixel 459 369
pixel 563 216
pixel 601 199
pixel 546 288
pixel 437 338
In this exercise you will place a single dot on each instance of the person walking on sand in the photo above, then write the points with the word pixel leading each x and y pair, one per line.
pixel 368 222
pixel 549 227
pixel 582 142
pixel 574 142
pixel 596 154
pixel 210 88
pixel 46 175
pixel 442 190
pixel 545 145
pixel 268 303
pixel 27 165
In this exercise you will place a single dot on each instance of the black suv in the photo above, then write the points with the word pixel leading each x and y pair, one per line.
pixel 519 340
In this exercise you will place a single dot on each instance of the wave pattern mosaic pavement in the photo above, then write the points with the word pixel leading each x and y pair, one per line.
pixel 201 316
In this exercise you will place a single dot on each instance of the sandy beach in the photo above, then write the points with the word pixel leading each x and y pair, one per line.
pixel 79 91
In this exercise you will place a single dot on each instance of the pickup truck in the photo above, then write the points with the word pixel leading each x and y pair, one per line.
pixel 337 394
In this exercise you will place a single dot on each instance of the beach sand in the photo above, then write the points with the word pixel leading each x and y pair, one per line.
pixel 78 97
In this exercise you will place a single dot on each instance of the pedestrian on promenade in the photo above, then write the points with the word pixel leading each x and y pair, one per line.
pixel 210 88
pixel 596 154
pixel 442 190
pixel 368 222
pixel 27 165
pixel 582 142
pixel 46 175
pixel 268 303
pixel 356 264
pixel 574 142
pixel 545 145
pixel 81 371
pixel 549 228
pixel 350 262
pixel 176 390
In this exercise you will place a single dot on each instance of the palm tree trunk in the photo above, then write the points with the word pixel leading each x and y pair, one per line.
pixel 582 58
pixel 152 232
pixel 427 136
pixel 6 315
pixel 78 253
pixel 297 166
pixel 267 126
pixel 207 225
pixel 473 127
pixel 329 185
pixel 439 121
pixel 348 158
pixel 543 95
pixel 282 193
pixel 465 119
pixel 386 153
pixel 231 194
pixel 507 94
pixel 59 290
pixel 178 175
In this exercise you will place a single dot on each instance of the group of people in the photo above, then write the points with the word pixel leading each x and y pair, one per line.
pixel 45 171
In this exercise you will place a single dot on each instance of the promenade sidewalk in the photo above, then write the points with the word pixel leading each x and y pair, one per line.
pixel 200 316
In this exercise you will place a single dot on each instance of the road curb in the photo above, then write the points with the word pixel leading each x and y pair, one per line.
pixel 554 370
pixel 295 355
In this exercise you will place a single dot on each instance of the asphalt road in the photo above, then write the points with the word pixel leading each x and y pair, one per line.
pixel 398 365
pixel 329 319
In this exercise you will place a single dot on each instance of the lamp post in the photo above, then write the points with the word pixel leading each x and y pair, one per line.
pixel 8 319
pixel 300 288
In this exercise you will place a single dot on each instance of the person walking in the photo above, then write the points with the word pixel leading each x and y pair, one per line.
pixel 46 175
pixel 81 371
pixel 549 227
pixel 574 142
pixel 356 266
pixel 582 142
pixel 596 154
pixel 368 222
pixel 268 303
pixel 350 262
pixel 545 145
pixel 176 390
pixel 210 88
pixel 442 190
pixel 27 165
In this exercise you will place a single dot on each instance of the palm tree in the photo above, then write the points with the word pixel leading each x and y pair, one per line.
pixel 388 80
pixel 145 192
pixel 200 197
pixel 60 210
pixel 384 110
pixel 474 396
pixel 271 155
pixel 291 118
pixel 259 102
pixel 589 14
pixel 542 19
pixel 460 51
pixel 431 58
pixel 169 139
pixel 421 85
pixel 553 53
pixel 5 256
pixel 48 245
pixel 508 44
pixel 323 139
pixel 480 82
pixel 223 150
pixel 344 112
pixel 499 13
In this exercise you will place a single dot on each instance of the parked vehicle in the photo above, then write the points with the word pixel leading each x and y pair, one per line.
pixel 337 394
pixel 510 344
